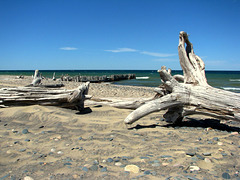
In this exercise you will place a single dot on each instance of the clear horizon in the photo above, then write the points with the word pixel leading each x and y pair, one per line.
pixel 116 35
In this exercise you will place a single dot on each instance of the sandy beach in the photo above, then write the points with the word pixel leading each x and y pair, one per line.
pixel 47 142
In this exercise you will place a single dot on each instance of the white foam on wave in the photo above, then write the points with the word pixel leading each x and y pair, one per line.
pixel 142 77
pixel 231 88
pixel 234 80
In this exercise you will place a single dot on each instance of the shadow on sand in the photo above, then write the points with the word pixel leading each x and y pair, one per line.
pixel 190 122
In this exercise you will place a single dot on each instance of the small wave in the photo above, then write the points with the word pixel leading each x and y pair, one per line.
pixel 234 79
pixel 142 77
pixel 231 88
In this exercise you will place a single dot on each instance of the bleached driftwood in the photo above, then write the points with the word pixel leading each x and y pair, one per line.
pixel 193 96
pixel 36 78
pixel 122 103
pixel 45 96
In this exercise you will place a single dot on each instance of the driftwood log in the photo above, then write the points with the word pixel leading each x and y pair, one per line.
pixel 193 96
pixel 22 96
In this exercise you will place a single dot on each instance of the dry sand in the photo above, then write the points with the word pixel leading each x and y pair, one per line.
pixel 42 142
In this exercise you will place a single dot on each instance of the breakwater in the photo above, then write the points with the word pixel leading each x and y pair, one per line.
pixel 97 79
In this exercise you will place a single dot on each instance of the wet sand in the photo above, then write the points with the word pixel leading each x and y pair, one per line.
pixel 43 142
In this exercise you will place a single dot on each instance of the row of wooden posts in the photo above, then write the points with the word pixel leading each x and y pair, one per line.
pixel 96 79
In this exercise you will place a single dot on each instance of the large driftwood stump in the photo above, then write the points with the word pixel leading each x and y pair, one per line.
pixel 45 96
pixel 193 96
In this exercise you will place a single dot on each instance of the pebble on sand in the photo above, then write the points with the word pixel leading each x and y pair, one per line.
pixel 194 168
pixel 132 168
pixel 28 178
pixel 25 131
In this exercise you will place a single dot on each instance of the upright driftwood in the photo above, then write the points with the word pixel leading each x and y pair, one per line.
pixel 36 78
pixel 45 96
pixel 193 96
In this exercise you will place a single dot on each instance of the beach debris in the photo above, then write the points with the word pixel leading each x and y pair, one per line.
pixel 188 94
pixel 73 99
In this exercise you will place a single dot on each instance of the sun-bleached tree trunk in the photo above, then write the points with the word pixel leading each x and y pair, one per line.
pixel 193 96
pixel 22 96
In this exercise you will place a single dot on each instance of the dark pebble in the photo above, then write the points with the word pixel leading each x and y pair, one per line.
pixel 147 172
pixel 109 160
pixel 144 157
pixel 41 127
pixel 80 138
pixel 226 176
pixel 94 168
pixel 165 156
pixel 181 140
pixel 210 142
pixel 5 124
pixel 25 131
pixel 16 142
pixel 104 169
pixel 15 131
pixel 207 154
pixel 95 162
pixel 216 139
pixel 200 157
pixel 224 154
pixel 27 140
pixel 67 164
pixel 85 169
pixel 22 150
pixel 190 153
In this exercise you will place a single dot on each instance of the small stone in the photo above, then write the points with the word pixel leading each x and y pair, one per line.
pixel 234 133
pixel 147 172
pixel 132 168
pixel 41 127
pixel 165 156
pixel 194 168
pixel 94 168
pixel 85 169
pixel 53 150
pixel 207 154
pixel 207 160
pixel 28 140
pixel 104 169
pixel 60 152
pixel 200 157
pixel 224 154
pixel 156 164
pixel 25 131
pixel 220 143
pixel 22 150
pixel 190 153
pixel 144 157
pixel 216 139
pixel 28 178
pixel 67 164
pixel 165 164
pixel 226 176
pixel 109 160
pixel 80 138
pixel 118 164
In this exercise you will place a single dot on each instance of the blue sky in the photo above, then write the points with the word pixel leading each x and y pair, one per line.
pixel 116 34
